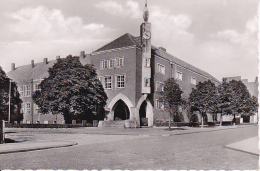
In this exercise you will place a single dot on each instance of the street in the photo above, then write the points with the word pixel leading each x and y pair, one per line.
pixel 203 150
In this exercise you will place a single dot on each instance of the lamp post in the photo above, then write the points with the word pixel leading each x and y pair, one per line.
pixel 9 111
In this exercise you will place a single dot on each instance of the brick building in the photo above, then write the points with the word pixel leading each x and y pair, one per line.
pixel 132 72
pixel 28 78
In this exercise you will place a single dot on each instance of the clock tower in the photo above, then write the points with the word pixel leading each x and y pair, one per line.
pixel 146 52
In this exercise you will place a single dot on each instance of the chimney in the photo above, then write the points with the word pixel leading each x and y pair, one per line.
pixel 32 62
pixel 45 60
pixel 13 66
pixel 57 57
pixel 162 48
pixel 82 54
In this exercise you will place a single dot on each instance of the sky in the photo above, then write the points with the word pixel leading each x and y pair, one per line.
pixel 217 36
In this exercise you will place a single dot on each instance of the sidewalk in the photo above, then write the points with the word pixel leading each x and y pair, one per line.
pixel 35 144
pixel 31 146
pixel 249 146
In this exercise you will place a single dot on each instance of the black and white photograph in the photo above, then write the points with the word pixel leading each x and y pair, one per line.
pixel 129 85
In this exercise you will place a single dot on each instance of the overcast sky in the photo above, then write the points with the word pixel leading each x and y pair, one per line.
pixel 218 36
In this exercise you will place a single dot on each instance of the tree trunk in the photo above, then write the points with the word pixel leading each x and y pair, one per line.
pixel 220 124
pixel 66 115
pixel 234 119
pixel 202 121
pixel 169 121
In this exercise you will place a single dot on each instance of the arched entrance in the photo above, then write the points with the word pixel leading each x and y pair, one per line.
pixel 142 114
pixel 121 111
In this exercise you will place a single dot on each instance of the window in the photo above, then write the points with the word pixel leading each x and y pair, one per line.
pixel 27 89
pixel 159 86
pixel 147 82
pixel 159 105
pixel 111 63
pixel 21 90
pixel 147 62
pixel 28 107
pixel 120 81
pixel 161 69
pixel 104 64
pixel 36 87
pixel 119 62
pixel 179 75
pixel 108 82
pixel 193 80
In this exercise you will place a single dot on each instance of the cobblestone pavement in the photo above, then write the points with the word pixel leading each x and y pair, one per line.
pixel 146 149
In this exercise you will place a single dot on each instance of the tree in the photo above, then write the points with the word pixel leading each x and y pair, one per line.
pixel 202 98
pixel 15 101
pixel 72 90
pixel 240 100
pixel 171 98
pixel 223 100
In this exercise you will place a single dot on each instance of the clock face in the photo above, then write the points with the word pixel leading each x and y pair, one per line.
pixel 147 35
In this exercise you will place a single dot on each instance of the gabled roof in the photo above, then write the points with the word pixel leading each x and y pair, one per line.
pixel 123 41
pixel 25 74
pixel 130 40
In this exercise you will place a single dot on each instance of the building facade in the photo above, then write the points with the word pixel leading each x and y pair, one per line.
pixel 132 72
pixel 28 78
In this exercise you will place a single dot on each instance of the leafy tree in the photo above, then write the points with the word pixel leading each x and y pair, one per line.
pixel 171 97
pixel 223 101
pixel 15 101
pixel 72 90
pixel 240 101
pixel 203 98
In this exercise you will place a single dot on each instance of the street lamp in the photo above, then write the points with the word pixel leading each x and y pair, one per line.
pixel 9 112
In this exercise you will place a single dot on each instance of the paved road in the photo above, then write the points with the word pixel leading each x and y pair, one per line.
pixel 203 150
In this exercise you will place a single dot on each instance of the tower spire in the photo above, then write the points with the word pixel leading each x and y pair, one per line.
pixel 146 12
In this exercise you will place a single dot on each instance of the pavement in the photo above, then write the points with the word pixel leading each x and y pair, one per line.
pixel 248 145
pixel 22 144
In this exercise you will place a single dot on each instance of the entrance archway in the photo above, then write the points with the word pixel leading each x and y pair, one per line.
pixel 142 114
pixel 121 111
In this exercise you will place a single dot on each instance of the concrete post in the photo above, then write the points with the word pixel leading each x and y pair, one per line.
pixel 84 123
pixel 2 132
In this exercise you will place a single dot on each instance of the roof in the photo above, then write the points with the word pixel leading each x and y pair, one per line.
pixel 177 61
pixel 130 40
pixel 25 74
pixel 123 41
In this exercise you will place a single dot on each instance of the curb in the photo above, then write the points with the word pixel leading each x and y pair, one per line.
pixel 257 154
pixel 22 149
pixel 190 131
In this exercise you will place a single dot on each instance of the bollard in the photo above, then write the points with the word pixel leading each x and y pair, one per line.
pixel 2 132
pixel 84 123
pixel 95 123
